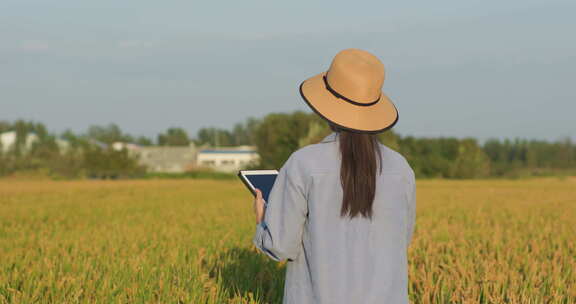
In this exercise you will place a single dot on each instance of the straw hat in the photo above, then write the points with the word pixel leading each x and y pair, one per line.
pixel 350 95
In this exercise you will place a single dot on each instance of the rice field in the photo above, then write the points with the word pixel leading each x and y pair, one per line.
pixel 189 241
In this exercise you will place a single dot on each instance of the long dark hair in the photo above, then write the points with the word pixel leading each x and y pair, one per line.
pixel 360 156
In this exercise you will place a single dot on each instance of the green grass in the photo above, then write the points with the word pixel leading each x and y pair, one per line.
pixel 189 241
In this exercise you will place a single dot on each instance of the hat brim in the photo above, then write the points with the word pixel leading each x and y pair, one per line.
pixel 375 118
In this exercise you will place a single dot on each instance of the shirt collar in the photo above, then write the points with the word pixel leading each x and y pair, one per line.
pixel 330 138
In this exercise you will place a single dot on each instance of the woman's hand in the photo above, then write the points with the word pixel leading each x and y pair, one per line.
pixel 259 206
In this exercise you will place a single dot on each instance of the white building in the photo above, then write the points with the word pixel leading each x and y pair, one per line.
pixel 227 159
pixel 178 159
pixel 119 146
pixel 168 159
pixel 8 141
pixel 63 145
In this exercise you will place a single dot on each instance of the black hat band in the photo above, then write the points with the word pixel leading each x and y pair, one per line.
pixel 340 96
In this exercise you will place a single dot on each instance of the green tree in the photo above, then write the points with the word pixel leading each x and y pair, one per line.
pixel 317 130
pixel 108 134
pixel 390 139
pixel 471 161
pixel 110 164
pixel 5 126
pixel 279 135
pixel 216 137
pixel 174 137
pixel 245 133
pixel 144 141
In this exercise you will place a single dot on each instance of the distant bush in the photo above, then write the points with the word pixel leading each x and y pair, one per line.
pixel 200 174
pixel 276 136
pixel 111 164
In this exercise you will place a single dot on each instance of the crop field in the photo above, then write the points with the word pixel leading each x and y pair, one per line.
pixel 189 241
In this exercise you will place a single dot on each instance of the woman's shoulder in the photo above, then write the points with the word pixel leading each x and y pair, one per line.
pixel 301 156
pixel 395 161
pixel 306 152
pixel 307 159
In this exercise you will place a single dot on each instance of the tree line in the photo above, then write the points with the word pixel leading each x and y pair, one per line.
pixel 276 136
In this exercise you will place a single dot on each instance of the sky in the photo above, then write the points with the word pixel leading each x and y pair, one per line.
pixel 483 69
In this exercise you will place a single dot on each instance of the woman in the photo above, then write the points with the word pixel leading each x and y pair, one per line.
pixel 342 211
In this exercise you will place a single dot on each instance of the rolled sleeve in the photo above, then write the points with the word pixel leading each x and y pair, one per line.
pixel 259 237
pixel 279 235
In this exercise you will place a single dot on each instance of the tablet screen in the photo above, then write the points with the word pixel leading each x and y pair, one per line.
pixel 263 181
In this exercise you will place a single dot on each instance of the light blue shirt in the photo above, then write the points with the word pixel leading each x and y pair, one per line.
pixel 332 259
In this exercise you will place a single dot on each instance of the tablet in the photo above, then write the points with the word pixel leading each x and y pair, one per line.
pixel 261 179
